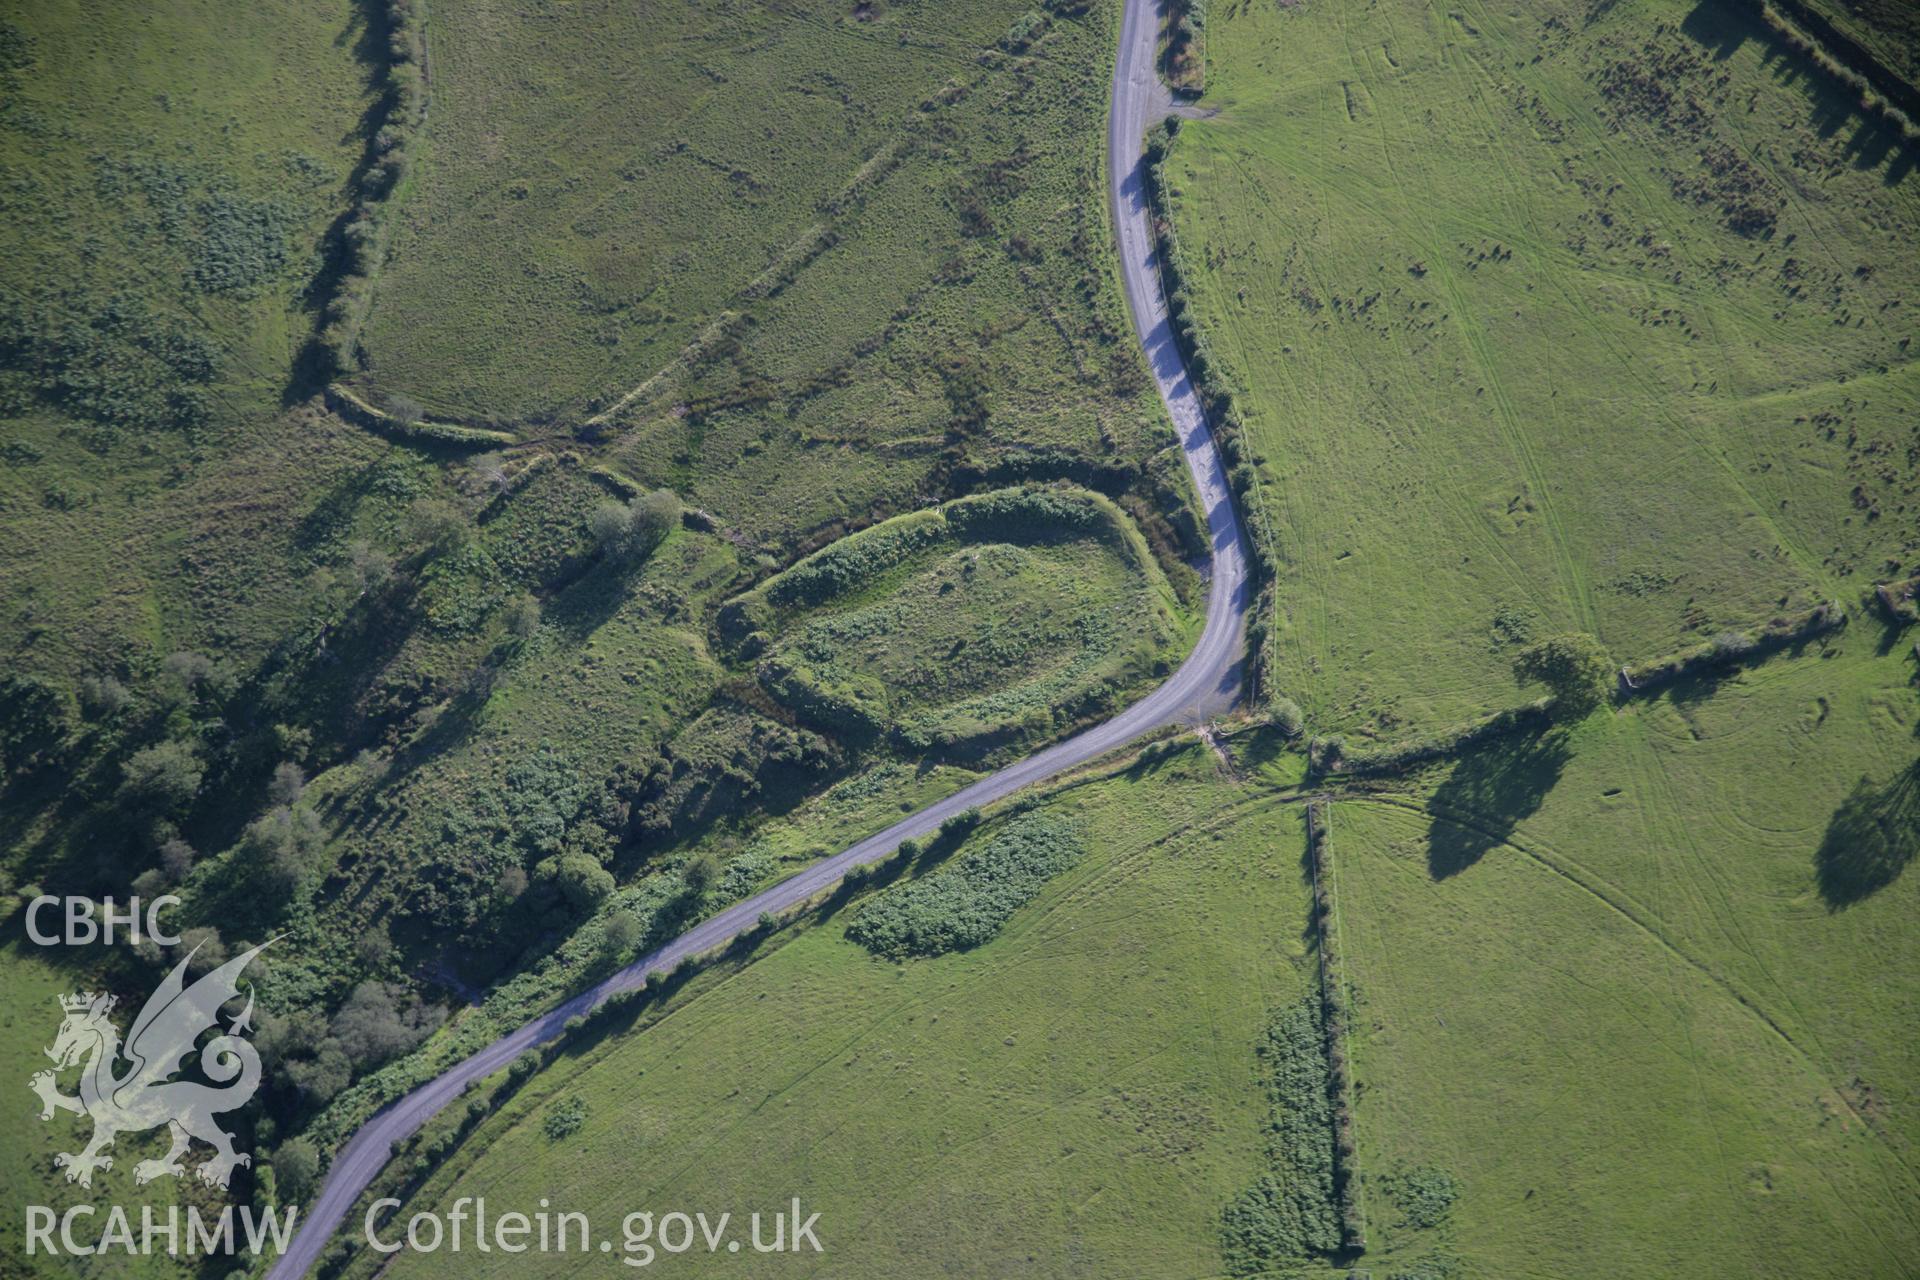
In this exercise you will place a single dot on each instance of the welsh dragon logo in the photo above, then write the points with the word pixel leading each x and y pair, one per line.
pixel 144 1095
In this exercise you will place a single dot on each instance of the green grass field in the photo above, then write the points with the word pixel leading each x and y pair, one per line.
pixel 879 273
pixel 1565 317
pixel 168 184
pixel 513 748
pixel 600 183
pixel 1077 1096
pixel 1546 321
pixel 1621 989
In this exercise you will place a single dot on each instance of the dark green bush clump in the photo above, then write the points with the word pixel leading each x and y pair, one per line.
pixel 968 903
pixel 116 363
pixel 564 1119
pixel 243 243
pixel 854 560
pixel 1288 1214
pixel 1024 515
pixel 1425 1196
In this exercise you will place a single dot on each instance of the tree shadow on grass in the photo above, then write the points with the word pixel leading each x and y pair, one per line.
pixel 1488 794
pixel 1870 840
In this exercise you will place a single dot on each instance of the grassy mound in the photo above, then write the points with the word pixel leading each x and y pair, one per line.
pixel 956 629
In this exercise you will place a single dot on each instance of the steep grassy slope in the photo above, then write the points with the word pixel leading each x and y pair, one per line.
pixel 1077 1096
pixel 1637 992
pixel 1547 321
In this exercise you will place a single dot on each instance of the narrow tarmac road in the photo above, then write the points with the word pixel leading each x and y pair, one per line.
pixel 1205 685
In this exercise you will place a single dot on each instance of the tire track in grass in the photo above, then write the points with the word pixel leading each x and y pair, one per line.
pixel 1464 520
pixel 1624 904
pixel 1699 867
pixel 1600 139
pixel 1901 1197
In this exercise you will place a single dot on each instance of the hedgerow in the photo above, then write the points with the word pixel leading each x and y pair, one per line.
pixel 1288 1214
pixel 1879 88
pixel 1185 58
pixel 1335 1014
pixel 1731 648
pixel 965 904
pixel 1223 415
pixel 362 243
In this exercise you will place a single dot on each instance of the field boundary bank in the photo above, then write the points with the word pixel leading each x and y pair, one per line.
pixel 355 248
pixel 1648 922
pixel 1730 650
pixel 1851 62
pixel 1334 1015
pixel 1715 659
pixel 345 404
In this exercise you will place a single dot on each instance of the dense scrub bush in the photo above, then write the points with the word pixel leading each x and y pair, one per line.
pixel 628 532
pixel 1026 29
pixel 727 761
pixel 564 1119
pixel 243 243
pixel 112 362
pixel 1425 1195
pixel 1288 1214
pixel 965 904
pixel 161 779
pixel 34 723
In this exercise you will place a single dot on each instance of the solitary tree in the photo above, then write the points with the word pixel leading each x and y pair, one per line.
pixel 296 1167
pixel 439 524
pixel 620 933
pixel 1575 669
pixel 700 874
pixel 630 532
